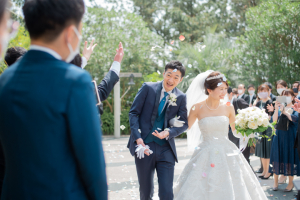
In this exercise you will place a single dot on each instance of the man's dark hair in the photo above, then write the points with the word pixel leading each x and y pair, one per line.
pixel 13 54
pixel 3 6
pixel 251 85
pixel 175 64
pixel 46 19
pixel 77 61
pixel 229 90
pixel 268 84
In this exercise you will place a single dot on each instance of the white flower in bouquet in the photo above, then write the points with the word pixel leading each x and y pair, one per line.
pixel 253 125
pixel 265 122
pixel 260 121
pixel 251 119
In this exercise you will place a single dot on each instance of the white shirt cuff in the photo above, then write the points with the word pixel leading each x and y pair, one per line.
pixel 83 62
pixel 116 67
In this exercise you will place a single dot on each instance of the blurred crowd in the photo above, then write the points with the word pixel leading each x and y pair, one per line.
pixel 278 153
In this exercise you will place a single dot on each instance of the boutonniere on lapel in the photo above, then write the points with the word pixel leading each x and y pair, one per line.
pixel 172 100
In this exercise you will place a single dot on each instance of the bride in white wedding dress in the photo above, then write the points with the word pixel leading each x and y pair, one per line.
pixel 217 169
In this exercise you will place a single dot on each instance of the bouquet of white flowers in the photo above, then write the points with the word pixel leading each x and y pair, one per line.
pixel 252 120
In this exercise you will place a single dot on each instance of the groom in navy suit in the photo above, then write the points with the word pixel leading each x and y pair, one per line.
pixel 154 106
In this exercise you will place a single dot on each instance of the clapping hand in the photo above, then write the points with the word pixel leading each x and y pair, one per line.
pixel 87 51
pixel 161 135
pixel 120 53
pixel 296 106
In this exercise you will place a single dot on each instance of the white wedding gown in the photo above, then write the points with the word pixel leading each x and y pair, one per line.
pixel 217 171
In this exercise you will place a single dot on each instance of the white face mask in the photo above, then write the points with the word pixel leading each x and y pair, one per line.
pixel 280 90
pixel 240 91
pixel 288 100
pixel 72 52
pixel 263 95
pixel 251 92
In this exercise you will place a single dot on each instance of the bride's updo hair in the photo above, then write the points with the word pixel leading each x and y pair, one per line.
pixel 213 83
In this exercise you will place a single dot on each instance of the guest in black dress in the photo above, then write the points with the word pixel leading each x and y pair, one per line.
pixel 263 147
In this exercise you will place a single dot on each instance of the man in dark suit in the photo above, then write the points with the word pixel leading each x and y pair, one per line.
pixel 153 107
pixel 241 93
pixel 238 104
pixel 50 131
pixel 252 95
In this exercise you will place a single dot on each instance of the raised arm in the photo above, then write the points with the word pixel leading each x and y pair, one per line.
pixel 85 137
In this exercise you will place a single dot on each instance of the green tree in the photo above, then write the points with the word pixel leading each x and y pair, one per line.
pixel 22 39
pixel 270 49
pixel 212 54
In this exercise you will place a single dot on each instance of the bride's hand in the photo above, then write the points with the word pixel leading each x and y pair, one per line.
pixel 161 135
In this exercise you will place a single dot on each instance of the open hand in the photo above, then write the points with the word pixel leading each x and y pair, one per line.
pixel 120 53
pixel 87 51
pixel 270 107
pixel 161 135
pixel 296 106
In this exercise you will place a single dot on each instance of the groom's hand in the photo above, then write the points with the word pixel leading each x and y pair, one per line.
pixel 141 141
pixel 161 135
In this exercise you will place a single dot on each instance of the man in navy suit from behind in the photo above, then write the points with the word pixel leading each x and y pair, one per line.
pixel 150 116
pixel 50 131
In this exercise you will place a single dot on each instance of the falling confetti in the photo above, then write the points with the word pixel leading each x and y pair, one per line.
pixel 190 66
pixel 194 108
pixel 228 104
pixel 172 42
pixel 181 38
pixel 212 165
pixel 194 164
pixel 159 129
pixel 271 165
pixel 175 70
pixel 158 72
pixel 204 174
pixel 153 48
pixel 122 127
pixel 139 130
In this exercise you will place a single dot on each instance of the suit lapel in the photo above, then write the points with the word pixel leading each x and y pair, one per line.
pixel 158 93
pixel 168 109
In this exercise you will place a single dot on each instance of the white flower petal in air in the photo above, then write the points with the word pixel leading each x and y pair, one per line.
pixel 139 130
pixel 158 72
pixel 122 127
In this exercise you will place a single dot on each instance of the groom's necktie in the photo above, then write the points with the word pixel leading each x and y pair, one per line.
pixel 162 103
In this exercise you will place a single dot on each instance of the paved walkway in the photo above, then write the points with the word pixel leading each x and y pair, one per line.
pixel 122 177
